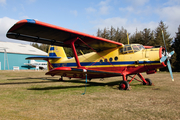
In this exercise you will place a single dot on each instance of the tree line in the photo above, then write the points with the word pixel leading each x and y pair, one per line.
pixel 146 37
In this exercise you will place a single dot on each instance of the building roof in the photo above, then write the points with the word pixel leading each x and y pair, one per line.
pixel 19 48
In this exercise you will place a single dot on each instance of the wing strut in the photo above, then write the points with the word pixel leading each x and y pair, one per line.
pixel 71 42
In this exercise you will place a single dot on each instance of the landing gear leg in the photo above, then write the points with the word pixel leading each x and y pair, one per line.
pixel 124 85
pixel 146 81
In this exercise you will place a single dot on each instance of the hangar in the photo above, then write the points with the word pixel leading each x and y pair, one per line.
pixel 12 55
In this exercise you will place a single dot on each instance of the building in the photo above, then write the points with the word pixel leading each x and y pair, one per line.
pixel 13 55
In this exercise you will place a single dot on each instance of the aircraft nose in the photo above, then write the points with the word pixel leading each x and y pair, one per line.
pixel 166 55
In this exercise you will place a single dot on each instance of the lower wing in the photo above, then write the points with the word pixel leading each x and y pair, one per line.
pixel 80 73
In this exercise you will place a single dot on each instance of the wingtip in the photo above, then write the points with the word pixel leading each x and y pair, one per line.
pixel 173 80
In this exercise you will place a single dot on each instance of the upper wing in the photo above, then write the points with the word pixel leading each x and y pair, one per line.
pixel 36 31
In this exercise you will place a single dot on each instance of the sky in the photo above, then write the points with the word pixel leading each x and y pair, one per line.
pixel 89 15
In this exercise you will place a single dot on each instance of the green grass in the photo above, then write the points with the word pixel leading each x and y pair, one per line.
pixel 27 95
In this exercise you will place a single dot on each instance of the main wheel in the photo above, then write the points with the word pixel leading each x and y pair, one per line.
pixel 124 85
pixel 148 82
pixel 61 79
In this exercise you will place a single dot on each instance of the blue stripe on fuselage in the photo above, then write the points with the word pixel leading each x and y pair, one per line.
pixel 104 63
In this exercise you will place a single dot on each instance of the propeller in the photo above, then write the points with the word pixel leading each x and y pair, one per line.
pixel 167 56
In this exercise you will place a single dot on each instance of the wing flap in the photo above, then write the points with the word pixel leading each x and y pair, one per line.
pixel 36 31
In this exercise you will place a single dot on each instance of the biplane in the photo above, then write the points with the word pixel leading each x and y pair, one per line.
pixel 37 65
pixel 108 59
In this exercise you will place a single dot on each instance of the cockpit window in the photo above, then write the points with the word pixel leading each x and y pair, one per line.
pixel 124 49
pixel 140 47
pixel 135 48
pixel 131 48
pixel 121 50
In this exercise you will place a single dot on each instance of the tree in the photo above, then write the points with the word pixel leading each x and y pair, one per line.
pixel 147 36
pixel 114 34
pixel 122 36
pixel 176 47
pixel 42 47
pixel 99 32
pixel 158 36
pixel 144 37
pixel 137 37
pixel 35 45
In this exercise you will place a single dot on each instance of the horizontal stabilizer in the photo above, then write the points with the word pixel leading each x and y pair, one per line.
pixel 42 57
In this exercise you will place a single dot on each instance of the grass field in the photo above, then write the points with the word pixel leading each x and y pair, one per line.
pixel 30 95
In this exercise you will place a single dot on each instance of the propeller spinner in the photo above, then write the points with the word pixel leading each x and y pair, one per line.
pixel 167 57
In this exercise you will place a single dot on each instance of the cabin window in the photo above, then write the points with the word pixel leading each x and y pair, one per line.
pixel 105 60
pixel 116 58
pixel 121 50
pixel 127 49
pixel 124 49
pixel 101 61
pixel 110 59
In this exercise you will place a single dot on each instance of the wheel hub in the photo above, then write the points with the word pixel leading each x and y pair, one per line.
pixel 123 86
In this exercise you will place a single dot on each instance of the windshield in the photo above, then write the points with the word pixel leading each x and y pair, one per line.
pixel 131 48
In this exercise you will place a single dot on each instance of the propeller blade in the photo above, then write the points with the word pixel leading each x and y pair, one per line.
pixel 171 53
pixel 170 69
pixel 163 59
pixel 164 42
pixel 167 56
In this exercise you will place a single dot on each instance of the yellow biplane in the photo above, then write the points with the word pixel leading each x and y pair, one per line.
pixel 108 59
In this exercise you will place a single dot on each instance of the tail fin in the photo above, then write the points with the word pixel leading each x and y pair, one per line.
pixel 32 61
pixel 55 51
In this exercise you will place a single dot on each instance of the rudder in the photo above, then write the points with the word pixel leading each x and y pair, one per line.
pixel 53 52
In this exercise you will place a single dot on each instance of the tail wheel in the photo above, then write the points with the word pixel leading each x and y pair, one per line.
pixel 61 79
pixel 149 82
pixel 124 85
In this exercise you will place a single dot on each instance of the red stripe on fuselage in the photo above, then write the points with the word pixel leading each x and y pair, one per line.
pixel 129 69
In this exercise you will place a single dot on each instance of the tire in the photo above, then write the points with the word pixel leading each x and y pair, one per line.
pixel 61 79
pixel 124 85
pixel 149 82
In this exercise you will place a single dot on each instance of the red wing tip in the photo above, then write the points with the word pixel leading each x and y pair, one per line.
pixel 20 23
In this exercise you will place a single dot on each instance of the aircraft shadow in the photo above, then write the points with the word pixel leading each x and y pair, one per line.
pixel 25 78
pixel 89 84
pixel 45 78
pixel 48 80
